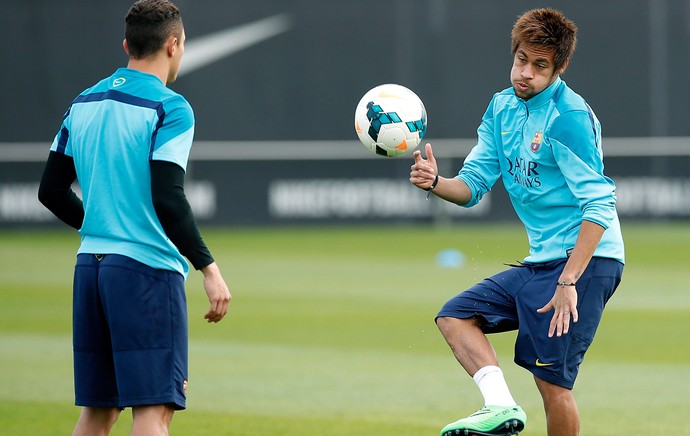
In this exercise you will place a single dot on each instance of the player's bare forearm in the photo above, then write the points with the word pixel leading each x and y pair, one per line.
pixel 454 190
pixel 564 301
pixel 587 242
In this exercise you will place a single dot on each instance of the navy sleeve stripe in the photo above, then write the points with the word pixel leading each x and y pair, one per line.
pixel 121 97
pixel 161 118
pixel 62 140
pixel 594 125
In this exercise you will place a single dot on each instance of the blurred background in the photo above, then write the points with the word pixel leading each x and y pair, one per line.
pixel 274 84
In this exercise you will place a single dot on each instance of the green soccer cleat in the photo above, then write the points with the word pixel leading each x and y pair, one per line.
pixel 489 421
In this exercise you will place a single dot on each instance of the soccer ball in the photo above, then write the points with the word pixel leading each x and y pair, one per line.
pixel 390 120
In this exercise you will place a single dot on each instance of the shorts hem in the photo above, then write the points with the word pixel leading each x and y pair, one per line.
pixel 550 378
pixel 176 402
pixel 455 315
pixel 97 403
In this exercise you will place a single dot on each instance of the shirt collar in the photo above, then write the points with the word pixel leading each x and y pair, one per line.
pixel 136 73
pixel 544 96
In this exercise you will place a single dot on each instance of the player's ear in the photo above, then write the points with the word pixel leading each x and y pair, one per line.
pixel 125 46
pixel 171 45
pixel 564 67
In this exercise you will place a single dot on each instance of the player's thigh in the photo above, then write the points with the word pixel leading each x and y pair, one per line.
pixel 492 301
pixel 557 359
pixel 594 289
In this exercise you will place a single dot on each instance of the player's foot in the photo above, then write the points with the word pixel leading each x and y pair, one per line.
pixel 489 421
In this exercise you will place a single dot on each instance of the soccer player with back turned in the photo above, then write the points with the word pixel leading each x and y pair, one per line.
pixel 127 141
pixel 544 142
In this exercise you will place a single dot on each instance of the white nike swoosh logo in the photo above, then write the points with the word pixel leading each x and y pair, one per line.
pixel 205 50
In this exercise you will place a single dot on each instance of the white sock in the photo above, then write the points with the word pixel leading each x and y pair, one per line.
pixel 493 386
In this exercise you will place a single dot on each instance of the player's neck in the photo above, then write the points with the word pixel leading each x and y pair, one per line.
pixel 156 66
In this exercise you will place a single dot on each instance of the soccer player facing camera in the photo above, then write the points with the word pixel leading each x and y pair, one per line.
pixel 544 142
pixel 127 141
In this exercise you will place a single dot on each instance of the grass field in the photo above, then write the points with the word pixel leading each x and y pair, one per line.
pixel 331 332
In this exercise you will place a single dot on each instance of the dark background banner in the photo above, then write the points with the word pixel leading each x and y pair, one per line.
pixel 246 184
pixel 305 63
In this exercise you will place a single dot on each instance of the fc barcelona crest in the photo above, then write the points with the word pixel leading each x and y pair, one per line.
pixel 536 142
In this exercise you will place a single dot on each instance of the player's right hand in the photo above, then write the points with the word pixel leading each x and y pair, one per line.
pixel 423 171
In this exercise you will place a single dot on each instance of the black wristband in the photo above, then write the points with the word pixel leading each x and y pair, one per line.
pixel 433 185
pixel 431 188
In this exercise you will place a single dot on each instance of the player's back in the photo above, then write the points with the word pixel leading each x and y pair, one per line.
pixel 113 132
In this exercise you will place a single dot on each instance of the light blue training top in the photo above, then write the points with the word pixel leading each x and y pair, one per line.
pixel 112 130
pixel 548 152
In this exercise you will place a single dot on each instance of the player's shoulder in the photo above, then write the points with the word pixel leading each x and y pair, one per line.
pixel 501 101
pixel 142 84
pixel 172 100
pixel 574 119
pixel 167 96
pixel 161 96
pixel 505 96
pixel 567 100
pixel 98 87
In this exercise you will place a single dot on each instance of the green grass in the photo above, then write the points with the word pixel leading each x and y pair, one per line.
pixel 331 332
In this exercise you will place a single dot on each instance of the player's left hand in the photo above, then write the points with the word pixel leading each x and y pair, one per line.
pixel 564 305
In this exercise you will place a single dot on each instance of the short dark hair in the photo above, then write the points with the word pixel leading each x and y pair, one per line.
pixel 549 29
pixel 148 24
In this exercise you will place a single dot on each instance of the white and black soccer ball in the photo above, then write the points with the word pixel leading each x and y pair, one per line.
pixel 390 120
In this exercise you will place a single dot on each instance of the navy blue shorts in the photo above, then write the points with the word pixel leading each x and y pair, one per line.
pixel 509 301
pixel 129 333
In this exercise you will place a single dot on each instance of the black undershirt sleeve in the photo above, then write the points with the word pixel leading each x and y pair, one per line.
pixel 175 214
pixel 55 190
